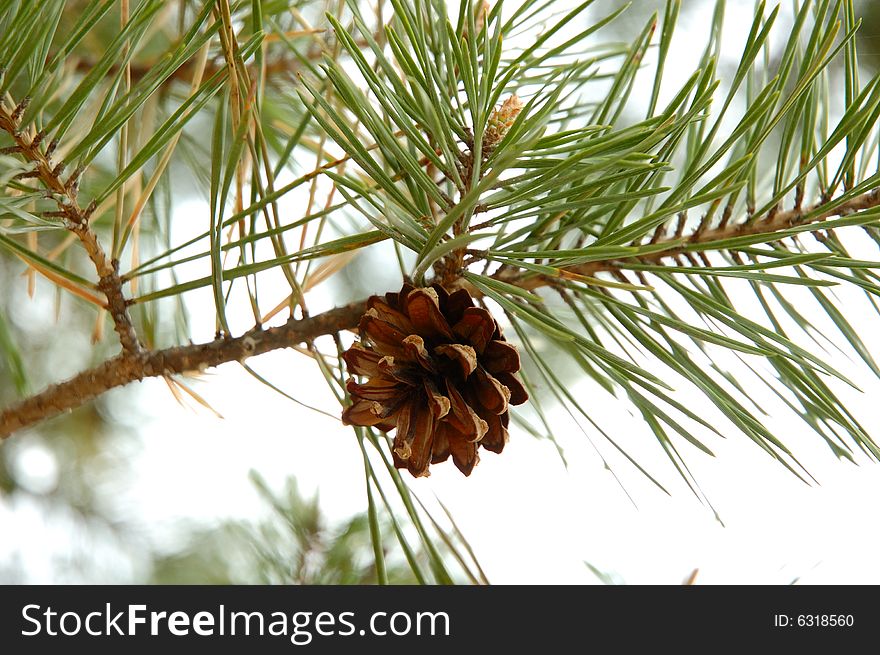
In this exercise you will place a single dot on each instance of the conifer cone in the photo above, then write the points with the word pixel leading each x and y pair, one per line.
pixel 437 368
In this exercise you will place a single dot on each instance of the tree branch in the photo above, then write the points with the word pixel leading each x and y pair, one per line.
pixel 772 222
pixel 127 367
pixel 76 219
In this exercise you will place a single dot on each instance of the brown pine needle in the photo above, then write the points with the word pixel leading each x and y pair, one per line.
pixel 176 386
pixel 98 330
pixel 292 34
pixel 33 245
pixel 63 283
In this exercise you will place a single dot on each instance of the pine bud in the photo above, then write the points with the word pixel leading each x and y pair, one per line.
pixel 501 120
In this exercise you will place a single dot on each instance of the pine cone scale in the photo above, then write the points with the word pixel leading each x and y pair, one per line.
pixel 386 312
pixel 423 309
pixel 464 357
pixel 490 393
pixel 464 419
pixel 438 403
pixel 415 434
pixel 414 346
pixel 476 327
pixel 518 393
pixel 501 357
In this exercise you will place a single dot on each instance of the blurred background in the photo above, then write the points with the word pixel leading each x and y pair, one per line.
pixel 236 483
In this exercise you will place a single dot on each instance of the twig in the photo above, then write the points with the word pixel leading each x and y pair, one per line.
pixel 125 368
pixel 76 219
pixel 772 222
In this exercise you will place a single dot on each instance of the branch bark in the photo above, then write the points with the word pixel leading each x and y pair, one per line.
pixel 76 219
pixel 127 367
pixel 773 222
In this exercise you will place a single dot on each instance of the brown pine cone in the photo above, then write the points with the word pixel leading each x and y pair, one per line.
pixel 438 369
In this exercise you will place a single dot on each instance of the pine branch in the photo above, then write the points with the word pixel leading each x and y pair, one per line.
pixel 76 219
pixel 572 181
pixel 128 367
pixel 768 224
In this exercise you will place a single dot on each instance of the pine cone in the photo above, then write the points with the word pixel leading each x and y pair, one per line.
pixel 438 369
